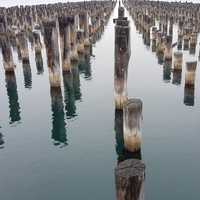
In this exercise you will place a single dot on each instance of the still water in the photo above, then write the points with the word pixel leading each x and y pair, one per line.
pixel 66 150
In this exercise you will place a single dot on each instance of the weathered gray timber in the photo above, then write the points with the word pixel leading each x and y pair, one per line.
pixel 129 178
pixel 122 54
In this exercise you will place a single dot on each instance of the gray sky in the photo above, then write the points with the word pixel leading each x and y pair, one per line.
pixel 8 3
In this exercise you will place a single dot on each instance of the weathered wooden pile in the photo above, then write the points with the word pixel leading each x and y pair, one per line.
pixel 130 170
pixel 171 29
pixel 69 27
pixel 61 34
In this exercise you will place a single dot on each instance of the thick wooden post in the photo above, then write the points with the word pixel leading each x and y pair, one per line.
pixel 51 43
pixel 129 180
pixel 65 43
pixel 190 74
pixel 132 116
pixel 193 43
pixel 38 53
pixel 177 70
pixel 6 53
pixel 122 54
pixel 23 46
pixel 74 26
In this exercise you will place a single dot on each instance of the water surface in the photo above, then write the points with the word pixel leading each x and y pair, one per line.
pixel 66 149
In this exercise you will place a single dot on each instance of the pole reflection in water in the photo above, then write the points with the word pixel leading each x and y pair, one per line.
pixel 167 71
pixel 160 48
pixel 76 81
pixel 69 92
pixel 153 43
pixel 189 96
pixel 10 79
pixel 1 141
pixel 27 74
pixel 85 65
pixel 177 76
pixel 38 53
pixel 23 46
pixel 180 42
pixel 146 37
pixel 58 119
pixel 177 71
pixel 186 42
pixel 14 106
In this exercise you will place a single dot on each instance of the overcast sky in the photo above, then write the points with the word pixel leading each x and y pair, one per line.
pixel 8 3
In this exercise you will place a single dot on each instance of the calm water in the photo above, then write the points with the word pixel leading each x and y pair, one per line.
pixel 66 150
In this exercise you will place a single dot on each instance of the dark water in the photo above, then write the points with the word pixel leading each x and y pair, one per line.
pixel 61 144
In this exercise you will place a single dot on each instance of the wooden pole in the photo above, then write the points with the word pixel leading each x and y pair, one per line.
pixel 132 116
pixel 129 180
